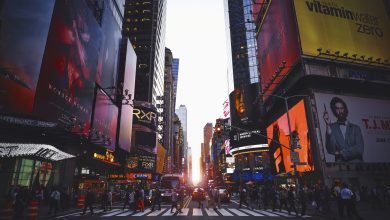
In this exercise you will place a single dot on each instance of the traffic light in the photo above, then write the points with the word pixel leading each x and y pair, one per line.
pixel 218 127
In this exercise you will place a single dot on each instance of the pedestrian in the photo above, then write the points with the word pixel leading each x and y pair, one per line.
pixel 141 199
pixel 55 197
pixel 302 200
pixel 243 197
pixel 217 198
pixel 291 201
pixel 174 200
pixel 127 199
pixel 274 195
pixel 354 200
pixel 89 200
pixel 108 199
pixel 200 198
pixel 283 200
pixel 180 199
pixel 156 195
pixel 21 200
pixel 346 196
pixel 265 196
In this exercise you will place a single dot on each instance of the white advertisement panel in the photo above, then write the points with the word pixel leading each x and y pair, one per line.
pixel 354 129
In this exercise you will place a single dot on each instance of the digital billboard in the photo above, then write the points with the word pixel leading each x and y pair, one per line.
pixel 277 41
pixel 358 27
pixel 105 121
pixel 279 141
pixel 129 68
pixel 161 152
pixel 66 84
pixel 354 129
pixel 144 131
pixel 24 26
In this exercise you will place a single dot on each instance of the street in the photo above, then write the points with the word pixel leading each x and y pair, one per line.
pixel 190 209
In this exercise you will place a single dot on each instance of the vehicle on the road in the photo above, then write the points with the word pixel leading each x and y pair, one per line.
pixel 198 193
pixel 224 195
pixel 169 182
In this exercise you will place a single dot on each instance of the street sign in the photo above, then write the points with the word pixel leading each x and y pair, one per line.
pixel 294 157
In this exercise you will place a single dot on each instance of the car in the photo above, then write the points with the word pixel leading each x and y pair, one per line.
pixel 224 195
pixel 198 193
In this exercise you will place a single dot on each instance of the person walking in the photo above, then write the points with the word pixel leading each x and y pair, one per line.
pixel 346 196
pixel 109 200
pixel 243 197
pixel 156 195
pixel 55 197
pixel 141 197
pixel 89 200
pixel 291 201
pixel 128 196
pixel 283 200
pixel 174 200
pixel 302 200
pixel 180 199
pixel 217 198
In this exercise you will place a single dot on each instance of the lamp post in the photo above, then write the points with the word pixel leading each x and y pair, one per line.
pixel 291 141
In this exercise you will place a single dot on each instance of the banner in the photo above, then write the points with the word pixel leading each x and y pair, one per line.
pixel 144 131
pixel 279 141
pixel 354 129
pixel 24 26
pixel 161 152
pixel 358 27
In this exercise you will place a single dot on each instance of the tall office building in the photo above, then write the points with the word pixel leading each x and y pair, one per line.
pixel 242 36
pixel 144 24
pixel 182 114
pixel 207 135
pixel 175 76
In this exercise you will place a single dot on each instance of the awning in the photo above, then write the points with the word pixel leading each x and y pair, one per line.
pixel 44 151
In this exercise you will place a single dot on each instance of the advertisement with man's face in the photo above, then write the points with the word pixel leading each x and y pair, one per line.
pixel 66 85
pixel 354 129
pixel 358 29
pixel 105 121
pixel 277 41
pixel 279 141
pixel 23 32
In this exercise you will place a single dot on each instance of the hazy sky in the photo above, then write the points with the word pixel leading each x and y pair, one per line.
pixel 196 35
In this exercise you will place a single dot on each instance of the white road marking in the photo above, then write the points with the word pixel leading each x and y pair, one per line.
pixel 185 212
pixel 235 211
pixel 197 212
pixel 211 212
pixel 224 212
pixel 157 212
pixel 251 212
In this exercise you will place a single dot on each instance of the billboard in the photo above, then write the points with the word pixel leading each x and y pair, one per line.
pixel 107 74
pixel 144 131
pixel 67 80
pixel 141 161
pixel 161 152
pixel 105 121
pixel 279 141
pixel 130 64
pixel 277 41
pixel 358 27
pixel 24 26
pixel 354 129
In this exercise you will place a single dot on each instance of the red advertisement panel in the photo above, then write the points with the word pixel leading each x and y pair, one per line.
pixel 257 5
pixel 104 121
pixel 23 32
pixel 277 41
pixel 279 142
pixel 66 85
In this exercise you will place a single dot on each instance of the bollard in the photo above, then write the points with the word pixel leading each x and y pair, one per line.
pixel 33 210
pixel 6 212
pixel 80 202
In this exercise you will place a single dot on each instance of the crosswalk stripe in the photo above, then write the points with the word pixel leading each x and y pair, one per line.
pixel 169 213
pixel 279 213
pixel 251 212
pixel 197 212
pixel 126 213
pixel 224 212
pixel 211 212
pixel 266 213
pixel 146 211
pixel 185 212
pixel 305 216
pixel 235 211
pixel 157 212
pixel 112 213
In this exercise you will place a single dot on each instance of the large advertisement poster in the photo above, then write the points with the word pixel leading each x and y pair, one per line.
pixel 350 27
pixel 277 41
pixel 279 141
pixel 161 152
pixel 354 129
pixel 67 80
pixel 144 132
pixel 128 85
pixel 105 121
pixel 24 26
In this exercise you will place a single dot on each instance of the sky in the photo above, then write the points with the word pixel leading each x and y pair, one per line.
pixel 195 33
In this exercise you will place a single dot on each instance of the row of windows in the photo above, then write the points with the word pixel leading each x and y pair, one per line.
pixel 135 20
pixel 136 11
pixel 139 3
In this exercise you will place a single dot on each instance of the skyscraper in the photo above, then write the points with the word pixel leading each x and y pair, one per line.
pixel 175 76
pixel 182 114
pixel 144 24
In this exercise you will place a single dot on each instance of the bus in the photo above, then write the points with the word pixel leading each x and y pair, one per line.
pixel 169 182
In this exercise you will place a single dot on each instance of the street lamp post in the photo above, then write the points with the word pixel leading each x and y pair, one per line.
pixel 289 128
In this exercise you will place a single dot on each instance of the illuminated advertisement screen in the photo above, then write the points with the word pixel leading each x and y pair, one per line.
pixel 127 109
pixel 161 152
pixel 277 41
pixel 23 33
pixel 67 80
pixel 144 131
pixel 278 134
pixel 104 121
pixel 354 129
pixel 257 5
pixel 358 27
